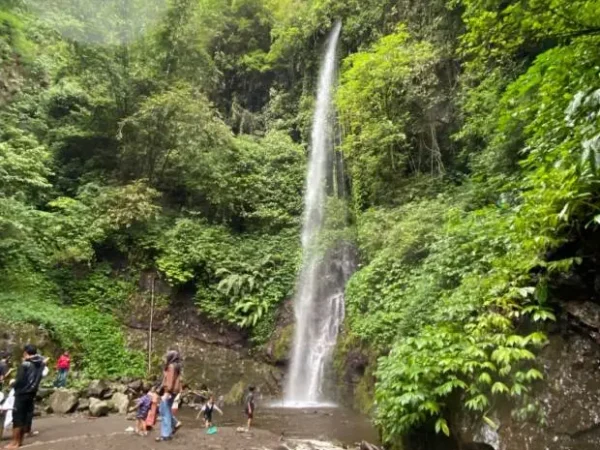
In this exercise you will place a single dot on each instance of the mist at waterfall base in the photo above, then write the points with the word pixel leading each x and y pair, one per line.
pixel 319 300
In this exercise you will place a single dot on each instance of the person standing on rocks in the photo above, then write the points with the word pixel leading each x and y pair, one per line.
pixel 63 365
pixel 170 387
pixel 27 382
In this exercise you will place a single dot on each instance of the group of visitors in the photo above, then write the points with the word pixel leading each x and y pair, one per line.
pixel 164 398
pixel 17 405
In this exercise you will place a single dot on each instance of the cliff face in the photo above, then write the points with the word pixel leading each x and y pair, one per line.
pixel 569 401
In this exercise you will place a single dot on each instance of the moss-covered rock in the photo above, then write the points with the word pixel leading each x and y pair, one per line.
pixel 282 345
pixel 354 365
pixel 14 336
pixel 235 396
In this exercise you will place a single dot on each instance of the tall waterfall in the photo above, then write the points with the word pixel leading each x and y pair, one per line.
pixel 319 302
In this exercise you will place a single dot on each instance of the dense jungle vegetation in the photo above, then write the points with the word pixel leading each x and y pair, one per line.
pixel 171 135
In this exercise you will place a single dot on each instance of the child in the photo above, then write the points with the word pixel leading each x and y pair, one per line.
pixel 63 365
pixel 208 409
pixel 144 405
pixel 7 409
pixel 249 407
pixel 152 413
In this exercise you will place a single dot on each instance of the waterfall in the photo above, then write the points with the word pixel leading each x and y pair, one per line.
pixel 319 301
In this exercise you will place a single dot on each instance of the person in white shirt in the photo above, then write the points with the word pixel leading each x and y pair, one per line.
pixel 7 409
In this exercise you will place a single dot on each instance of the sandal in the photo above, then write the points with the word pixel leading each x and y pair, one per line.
pixel 162 439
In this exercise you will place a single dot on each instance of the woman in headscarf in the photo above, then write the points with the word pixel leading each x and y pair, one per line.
pixel 170 387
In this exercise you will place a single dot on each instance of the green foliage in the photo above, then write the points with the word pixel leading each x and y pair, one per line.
pixel 448 281
pixel 497 30
pixel 99 287
pixel 385 99
pixel 169 134
pixel 239 278
pixel 94 338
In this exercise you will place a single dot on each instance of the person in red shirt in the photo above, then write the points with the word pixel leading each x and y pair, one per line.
pixel 63 365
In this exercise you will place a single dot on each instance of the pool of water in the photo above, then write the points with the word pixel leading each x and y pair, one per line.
pixel 321 422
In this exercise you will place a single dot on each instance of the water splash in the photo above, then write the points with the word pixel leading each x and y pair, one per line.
pixel 319 309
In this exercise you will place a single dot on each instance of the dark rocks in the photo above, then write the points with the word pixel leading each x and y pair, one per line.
pixel 588 313
pixel 568 401
pixel 64 401
pixel 97 388
pixel 136 386
pixel 83 405
pixel 107 395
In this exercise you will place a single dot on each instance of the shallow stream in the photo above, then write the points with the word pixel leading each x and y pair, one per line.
pixel 336 424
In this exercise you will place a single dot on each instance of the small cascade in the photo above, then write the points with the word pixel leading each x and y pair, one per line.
pixel 319 302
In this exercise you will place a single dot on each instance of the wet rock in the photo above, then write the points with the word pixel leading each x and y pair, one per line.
pixel 83 405
pixel 586 312
pixel 97 388
pixel 98 408
pixel 279 349
pixel 226 368
pixel 64 401
pixel 119 403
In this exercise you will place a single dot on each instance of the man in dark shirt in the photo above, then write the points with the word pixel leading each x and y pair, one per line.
pixel 27 382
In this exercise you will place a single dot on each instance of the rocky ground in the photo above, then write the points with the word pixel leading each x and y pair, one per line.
pixel 109 433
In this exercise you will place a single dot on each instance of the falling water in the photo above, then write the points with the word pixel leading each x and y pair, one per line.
pixel 319 303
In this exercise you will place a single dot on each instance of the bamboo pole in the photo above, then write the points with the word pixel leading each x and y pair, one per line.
pixel 151 325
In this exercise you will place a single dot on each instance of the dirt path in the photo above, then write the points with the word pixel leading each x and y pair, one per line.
pixel 69 433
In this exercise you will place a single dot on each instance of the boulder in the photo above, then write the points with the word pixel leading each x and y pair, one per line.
pixel 43 393
pixel 119 403
pixel 98 408
pixel 136 385
pixel 83 405
pixel 64 401
pixel 118 387
pixel 97 388
pixel 107 395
